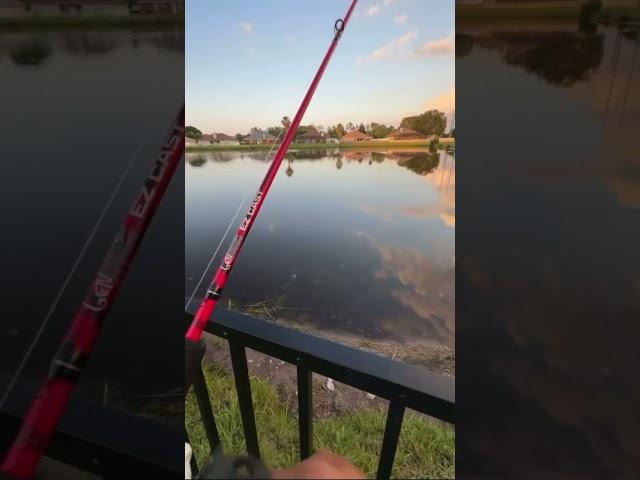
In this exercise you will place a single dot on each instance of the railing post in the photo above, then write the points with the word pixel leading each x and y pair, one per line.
pixel 305 411
pixel 206 410
pixel 390 440
pixel 243 387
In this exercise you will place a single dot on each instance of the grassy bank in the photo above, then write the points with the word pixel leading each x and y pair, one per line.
pixel 426 448
pixel 310 146
pixel 514 12
pixel 94 21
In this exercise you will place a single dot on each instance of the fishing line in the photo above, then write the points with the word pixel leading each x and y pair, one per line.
pixel 242 202
pixel 74 267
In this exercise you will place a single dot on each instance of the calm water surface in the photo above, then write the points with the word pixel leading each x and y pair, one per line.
pixel 549 222
pixel 350 241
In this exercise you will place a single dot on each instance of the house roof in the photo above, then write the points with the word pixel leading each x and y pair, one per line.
pixel 159 1
pixel 115 3
pixel 311 134
pixel 355 135
pixel 11 3
pixel 261 135
pixel 222 136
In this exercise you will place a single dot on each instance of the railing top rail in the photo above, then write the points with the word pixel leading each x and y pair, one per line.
pixel 415 387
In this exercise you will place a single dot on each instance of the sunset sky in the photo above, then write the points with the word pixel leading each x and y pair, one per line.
pixel 250 62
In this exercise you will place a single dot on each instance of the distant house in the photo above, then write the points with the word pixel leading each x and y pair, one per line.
pixel 212 139
pixel 310 137
pixel 12 8
pixel 104 7
pixel 190 141
pixel 9 8
pixel 355 136
pixel 332 140
pixel 404 133
pixel 206 139
pixel 260 137
pixel 224 139
pixel 157 6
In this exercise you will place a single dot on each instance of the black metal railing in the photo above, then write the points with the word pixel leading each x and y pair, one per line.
pixel 404 386
pixel 108 442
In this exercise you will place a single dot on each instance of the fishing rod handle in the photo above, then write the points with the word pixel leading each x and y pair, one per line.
pixel 39 424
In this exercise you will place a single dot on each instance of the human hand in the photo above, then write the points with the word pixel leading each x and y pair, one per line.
pixel 323 465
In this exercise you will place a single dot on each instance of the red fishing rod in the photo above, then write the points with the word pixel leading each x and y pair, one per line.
pixel 194 333
pixel 68 364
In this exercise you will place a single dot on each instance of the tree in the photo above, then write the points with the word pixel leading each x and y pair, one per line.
pixel 192 132
pixel 350 127
pixel 379 130
pixel 254 130
pixel 27 4
pixel 302 129
pixel 275 131
pixel 340 131
pixel 239 136
pixel 423 163
pixel 432 122
pixel 361 129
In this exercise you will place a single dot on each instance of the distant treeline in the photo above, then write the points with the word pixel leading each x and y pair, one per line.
pixel 431 122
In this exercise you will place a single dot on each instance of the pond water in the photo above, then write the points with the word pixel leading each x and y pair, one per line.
pixel 77 104
pixel 549 221
pixel 350 241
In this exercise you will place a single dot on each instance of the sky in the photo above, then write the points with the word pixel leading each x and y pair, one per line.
pixel 250 62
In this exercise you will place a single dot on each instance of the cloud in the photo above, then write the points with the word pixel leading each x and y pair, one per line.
pixel 374 10
pixel 441 46
pixel 407 37
pixel 387 50
pixel 401 19
pixel 377 54
pixel 247 27
pixel 377 8
pixel 445 102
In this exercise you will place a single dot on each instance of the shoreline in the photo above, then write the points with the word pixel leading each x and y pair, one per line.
pixel 100 21
pixel 316 146
pixel 533 12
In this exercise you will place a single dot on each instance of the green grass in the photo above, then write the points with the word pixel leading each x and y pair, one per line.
pixel 312 146
pixel 426 448
pixel 515 11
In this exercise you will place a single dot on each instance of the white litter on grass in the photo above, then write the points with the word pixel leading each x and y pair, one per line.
pixel 370 396
pixel 330 385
